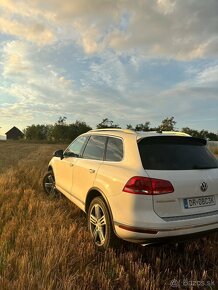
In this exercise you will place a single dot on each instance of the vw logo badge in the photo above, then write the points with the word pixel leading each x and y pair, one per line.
pixel 204 186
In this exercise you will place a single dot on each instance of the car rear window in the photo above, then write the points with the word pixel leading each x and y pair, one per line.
pixel 175 153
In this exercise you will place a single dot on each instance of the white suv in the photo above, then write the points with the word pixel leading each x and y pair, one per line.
pixel 140 187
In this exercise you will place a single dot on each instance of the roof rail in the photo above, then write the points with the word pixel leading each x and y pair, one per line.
pixel 114 129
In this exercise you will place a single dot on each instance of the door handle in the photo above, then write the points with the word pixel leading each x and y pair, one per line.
pixel 92 170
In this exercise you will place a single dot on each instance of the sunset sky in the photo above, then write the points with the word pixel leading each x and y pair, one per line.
pixel 130 61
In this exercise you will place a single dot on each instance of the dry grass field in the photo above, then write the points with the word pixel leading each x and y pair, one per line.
pixel 45 245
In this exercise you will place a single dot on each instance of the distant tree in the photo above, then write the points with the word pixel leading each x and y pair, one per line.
pixel 212 136
pixel 129 126
pixel 77 129
pixel 106 123
pixel 143 127
pixel 167 124
pixel 204 134
pixel 62 121
pixel 200 134
pixel 49 130
pixel 190 131
pixel 36 132
pixel 59 131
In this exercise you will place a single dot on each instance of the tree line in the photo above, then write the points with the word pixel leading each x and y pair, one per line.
pixel 63 132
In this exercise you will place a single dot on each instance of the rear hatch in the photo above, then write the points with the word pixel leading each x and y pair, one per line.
pixel 189 166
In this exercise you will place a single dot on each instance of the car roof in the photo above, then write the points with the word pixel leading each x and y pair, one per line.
pixel 138 134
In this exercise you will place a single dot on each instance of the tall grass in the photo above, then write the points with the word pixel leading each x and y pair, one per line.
pixel 44 243
pixel 214 150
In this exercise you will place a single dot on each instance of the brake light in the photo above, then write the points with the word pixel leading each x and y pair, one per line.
pixel 148 186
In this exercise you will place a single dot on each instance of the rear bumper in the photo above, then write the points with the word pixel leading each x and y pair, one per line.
pixel 134 220
pixel 156 235
pixel 173 239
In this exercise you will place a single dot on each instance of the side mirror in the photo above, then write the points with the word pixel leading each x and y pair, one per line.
pixel 70 154
pixel 59 153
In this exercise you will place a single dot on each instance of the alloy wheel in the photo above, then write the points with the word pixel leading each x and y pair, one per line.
pixel 49 184
pixel 98 225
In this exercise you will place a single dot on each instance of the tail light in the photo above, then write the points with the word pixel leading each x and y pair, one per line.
pixel 148 186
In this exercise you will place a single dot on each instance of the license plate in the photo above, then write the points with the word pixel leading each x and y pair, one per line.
pixel 199 201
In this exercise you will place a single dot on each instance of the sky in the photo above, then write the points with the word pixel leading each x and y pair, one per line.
pixel 129 61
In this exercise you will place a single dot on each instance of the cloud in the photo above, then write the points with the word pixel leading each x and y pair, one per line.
pixel 194 98
pixel 14 59
pixel 203 85
pixel 174 29
pixel 209 75
pixel 108 85
pixel 166 6
pixel 34 32
pixel 26 8
pixel 39 88
pixel 162 28
pixel 104 58
pixel 43 92
pixel 26 20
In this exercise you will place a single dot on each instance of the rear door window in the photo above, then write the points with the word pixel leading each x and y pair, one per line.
pixel 175 153
pixel 114 151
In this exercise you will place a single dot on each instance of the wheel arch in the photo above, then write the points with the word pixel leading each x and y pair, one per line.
pixel 95 192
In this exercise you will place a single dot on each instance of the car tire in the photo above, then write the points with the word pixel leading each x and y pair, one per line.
pixel 49 185
pixel 100 225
